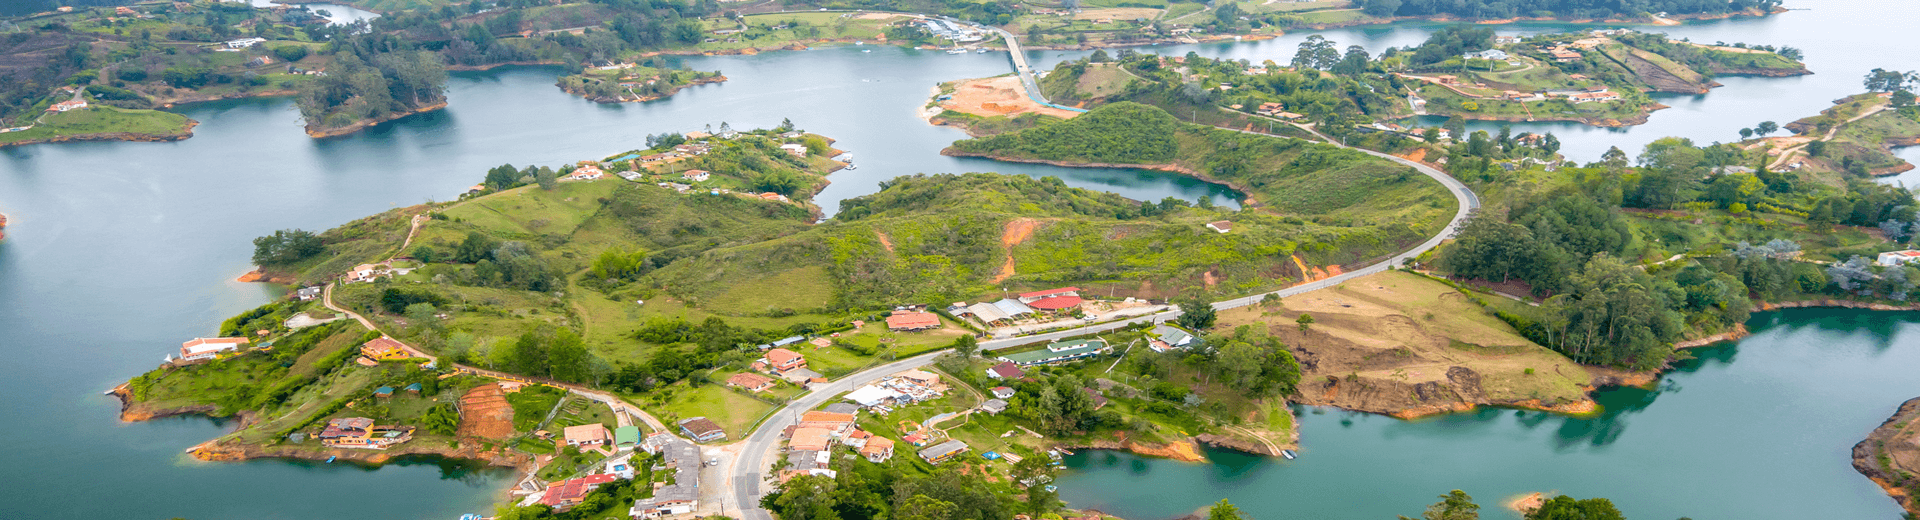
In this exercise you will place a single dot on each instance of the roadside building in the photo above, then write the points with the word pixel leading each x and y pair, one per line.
pixel 383 348
pixel 835 424
pixel 912 321
pixel 1003 392
pixel 307 293
pixel 1052 300
pixel 198 349
pixel 702 429
pixel 1006 370
pixel 683 458
pixel 1168 337
pixel 812 439
pixel 751 382
pixel 1058 353
pixel 846 408
pixel 782 360
pixel 942 452
pixel 592 434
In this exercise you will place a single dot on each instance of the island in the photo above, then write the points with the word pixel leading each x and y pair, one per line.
pixel 627 82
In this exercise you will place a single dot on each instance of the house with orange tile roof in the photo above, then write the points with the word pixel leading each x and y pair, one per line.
pixel 751 382
pixel 811 439
pixel 384 348
pixel 590 434
pixel 782 360
pixel 877 449
pixel 912 321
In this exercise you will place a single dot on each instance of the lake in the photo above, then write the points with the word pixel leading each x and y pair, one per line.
pixel 119 251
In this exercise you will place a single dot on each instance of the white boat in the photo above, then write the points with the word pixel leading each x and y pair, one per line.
pixel 850 166
pixel 866 50
pixel 956 51
pixel 1288 454
pixel 981 51
pixel 859 43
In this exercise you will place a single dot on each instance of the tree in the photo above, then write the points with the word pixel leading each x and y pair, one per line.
pixel 1379 8
pixel 805 497
pixel 474 248
pixel 1316 53
pixel 1224 510
pixel 1196 314
pixel 1567 508
pixel 1902 98
pixel 441 419
pixel 1455 505
pixel 1883 80
pixel 922 507
pixel 546 177
pixel 502 177
pixel 1304 320
pixel 1765 127
pixel 286 246
pixel 1036 473
pixel 1746 133
pixel 966 345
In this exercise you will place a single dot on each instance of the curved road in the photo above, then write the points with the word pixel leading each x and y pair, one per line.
pixel 746 469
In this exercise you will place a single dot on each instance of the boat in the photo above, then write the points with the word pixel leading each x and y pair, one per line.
pixel 866 50
pixel 859 42
pixel 980 51
pixel 956 51
pixel 850 166
pixel 1288 454
pixel 330 459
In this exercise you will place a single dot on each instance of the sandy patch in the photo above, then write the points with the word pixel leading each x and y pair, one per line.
pixel 484 412
pixel 1017 231
pixel 1002 96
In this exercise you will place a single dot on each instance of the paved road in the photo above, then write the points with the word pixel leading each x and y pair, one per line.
pixel 746 470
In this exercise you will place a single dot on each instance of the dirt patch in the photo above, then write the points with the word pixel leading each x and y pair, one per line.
pixel 1001 96
pixel 485 413
pixel 1404 345
pixel 885 241
pixel 1016 231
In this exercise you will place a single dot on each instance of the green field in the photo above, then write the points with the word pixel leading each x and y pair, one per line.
pixel 733 411
pixel 101 119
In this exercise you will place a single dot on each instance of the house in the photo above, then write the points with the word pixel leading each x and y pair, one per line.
pixel 361 433
pixel 943 451
pixel 1506 40
pixel 812 439
pixel 384 348
pixel 782 360
pixel 872 395
pixel 702 429
pixel 1220 226
pixel 567 493
pixel 1167 337
pixel 1052 300
pixel 1268 109
pixel 1099 401
pixel 1002 392
pixel 244 42
pixel 877 449
pixel 69 105
pixel 1563 55
pixel 363 273
pixel 1587 97
pixel 796 149
pixel 912 321
pixel 751 382
pixel 846 408
pixel 383 392
pixel 915 439
pixel 259 61
pixel 657 442
pixel 1058 352
pixel 585 173
pixel 1897 258
pixel 626 438
pixel 994 406
pixel 1489 54
pixel 1447 79
pixel 921 378
pixel 789 340
pixel 125 11
pixel 858 439
pixel 835 424
pixel 206 348
pixel 590 434
pixel 307 293
pixel 413 388
pixel 696 175
pixel 684 495
pixel 1006 370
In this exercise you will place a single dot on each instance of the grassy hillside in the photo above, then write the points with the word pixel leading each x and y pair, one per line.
pixel 1289 177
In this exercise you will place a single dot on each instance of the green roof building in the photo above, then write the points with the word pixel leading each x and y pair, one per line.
pixel 1058 352
pixel 626 436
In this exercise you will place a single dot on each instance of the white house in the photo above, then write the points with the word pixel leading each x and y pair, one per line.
pixel 1895 258
pixel 206 348
pixel 244 43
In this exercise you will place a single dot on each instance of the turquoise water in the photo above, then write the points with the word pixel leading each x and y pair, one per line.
pixel 1758 430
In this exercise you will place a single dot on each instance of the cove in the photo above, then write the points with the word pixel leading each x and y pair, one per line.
pixel 1756 430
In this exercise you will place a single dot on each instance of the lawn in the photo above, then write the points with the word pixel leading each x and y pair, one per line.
pixel 531 405
pixel 1334 16
pixel 101 119
pixel 733 411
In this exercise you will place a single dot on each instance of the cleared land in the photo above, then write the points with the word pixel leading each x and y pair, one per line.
pixel 1001 96
pixel 1403 344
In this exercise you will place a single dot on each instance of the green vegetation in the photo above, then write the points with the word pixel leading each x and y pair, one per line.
pixel 371 81
pixel 102 119
pixel 1569 9
pixel 639 83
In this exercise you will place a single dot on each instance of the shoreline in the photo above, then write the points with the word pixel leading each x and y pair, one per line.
pixel 319 133
pixel 1872 459
pixel 112 136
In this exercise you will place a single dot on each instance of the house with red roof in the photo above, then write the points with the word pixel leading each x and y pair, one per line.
pixel 64 106
pixel 1006 370
pixel 1220 226
pixel 913 321
pixel 1053 300
pixel 751 382
pixel 568 493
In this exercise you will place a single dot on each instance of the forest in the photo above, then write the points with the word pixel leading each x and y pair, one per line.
pixel 372 78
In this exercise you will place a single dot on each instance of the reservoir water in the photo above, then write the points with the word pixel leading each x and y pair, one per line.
pixel 118 251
